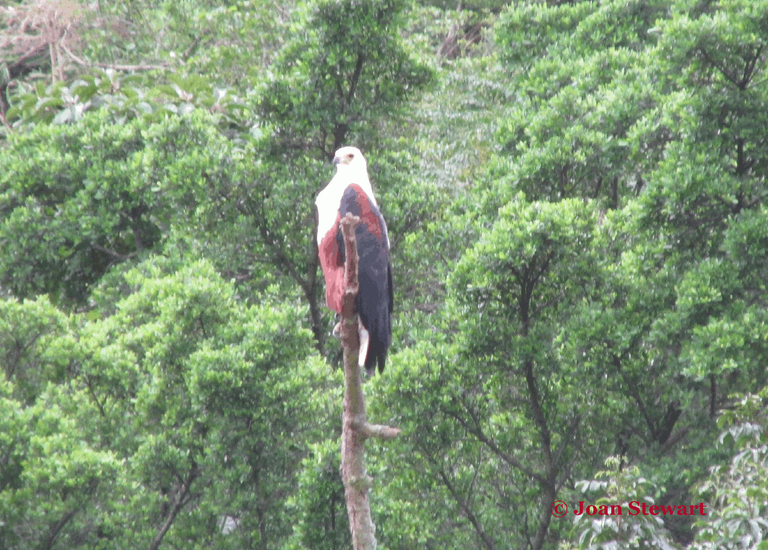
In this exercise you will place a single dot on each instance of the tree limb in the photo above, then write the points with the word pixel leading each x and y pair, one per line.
pixel 467 511
pixel 181 501
pixel 477 431
pixel 355 429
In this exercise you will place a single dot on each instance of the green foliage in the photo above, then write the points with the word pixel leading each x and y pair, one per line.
pixel 737 491
pixel 533 255
pixel 123 97
pixel 61 482
pixel 623 485
pixel 344 69
pixel 435 458
pixel 319 509
pixel 529 29
pixel 232 41
pixel 34 345
pixel 584 88
pixel 483 404
pixel 234 371
pixel 14 441
pixel 458 118
pixel 643 107
pixel 67 221
pixel 184 404
pixel 576 203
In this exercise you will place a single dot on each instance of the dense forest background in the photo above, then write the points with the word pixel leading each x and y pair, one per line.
pixel 577 200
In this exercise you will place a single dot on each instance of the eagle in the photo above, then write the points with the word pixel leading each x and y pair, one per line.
pixel 350 191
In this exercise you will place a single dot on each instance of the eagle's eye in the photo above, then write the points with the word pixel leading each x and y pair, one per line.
pixel 351 156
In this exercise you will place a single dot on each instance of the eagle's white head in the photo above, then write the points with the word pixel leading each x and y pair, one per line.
pixel 350 158
pixel 352 168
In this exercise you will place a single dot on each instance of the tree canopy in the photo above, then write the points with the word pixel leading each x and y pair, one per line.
pixel 576 200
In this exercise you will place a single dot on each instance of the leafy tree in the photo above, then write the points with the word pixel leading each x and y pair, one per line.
pixel 123 96
pixel 211 390
pixel 513 285
pixel 576 205
pixel 55 484
pixel 184 411
pixel 319 506
pixel 708 196
pixel 623 486
pixel 651 107
pixel 344 69
pixel 496 415
pixel 584 81
pixel 79 201
pixel 736 490
pixel 64 59
pixel 233 42
pixel 34 345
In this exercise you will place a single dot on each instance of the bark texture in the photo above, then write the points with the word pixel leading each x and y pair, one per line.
pixel 355 429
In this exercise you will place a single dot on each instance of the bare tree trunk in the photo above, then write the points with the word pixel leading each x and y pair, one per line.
pixel 355 429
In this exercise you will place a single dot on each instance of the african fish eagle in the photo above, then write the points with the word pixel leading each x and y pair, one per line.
pixel 350 191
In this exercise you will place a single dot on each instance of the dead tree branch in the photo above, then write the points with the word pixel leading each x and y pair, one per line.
pixel 355 429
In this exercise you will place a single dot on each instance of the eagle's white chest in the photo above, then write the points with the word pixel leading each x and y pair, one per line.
pixel 327 203
pixel 329 199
